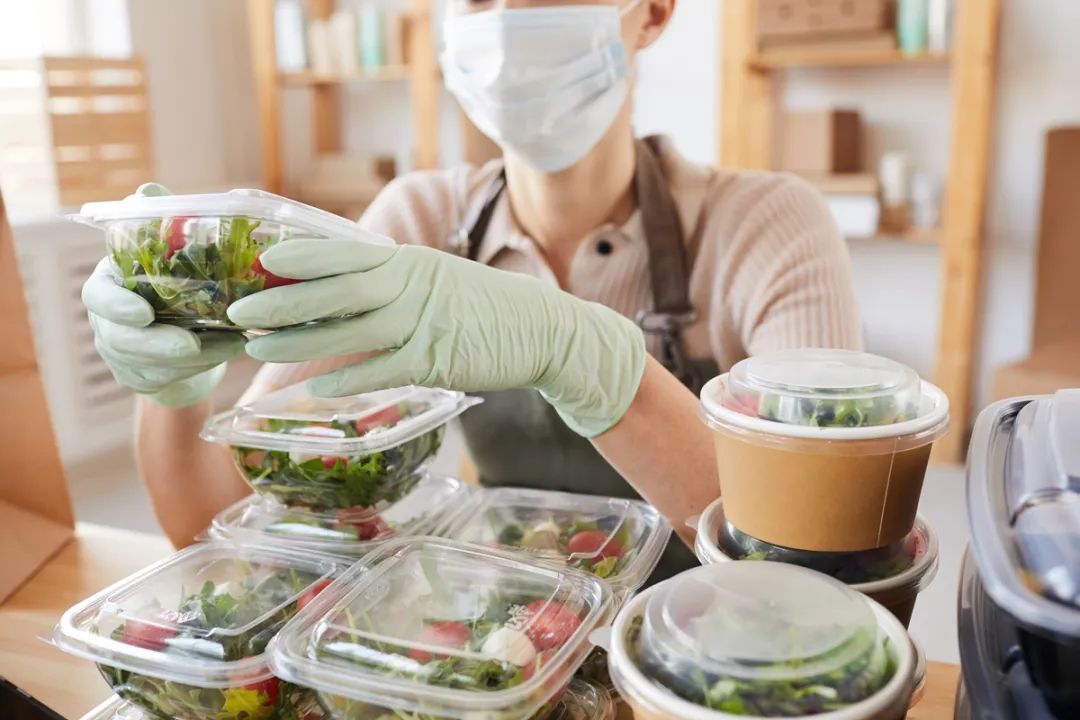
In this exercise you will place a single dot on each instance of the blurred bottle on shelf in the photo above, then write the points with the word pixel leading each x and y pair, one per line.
pixel 912 25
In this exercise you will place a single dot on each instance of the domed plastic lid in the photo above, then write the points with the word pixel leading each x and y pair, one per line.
pixel 823 388
pixel 756 623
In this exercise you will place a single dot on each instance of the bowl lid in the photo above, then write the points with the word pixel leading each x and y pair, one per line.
pixel 294 420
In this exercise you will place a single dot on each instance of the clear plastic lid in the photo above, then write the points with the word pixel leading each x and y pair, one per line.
pixel 763 639
pixel 614 539
pixel 116 708
pixel 345 533
pixel 582 701
pixel 254 204
pixel 294 420
pixel 1024 509
pixel 823 388
pixel 202 617
pixel 447 629
pixel 912 558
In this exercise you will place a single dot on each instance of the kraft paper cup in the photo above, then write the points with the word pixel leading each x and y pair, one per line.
pixel 897 593
pixel 828 489
pixel 648 700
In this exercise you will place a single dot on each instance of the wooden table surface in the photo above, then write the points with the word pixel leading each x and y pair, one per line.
pixel 99 556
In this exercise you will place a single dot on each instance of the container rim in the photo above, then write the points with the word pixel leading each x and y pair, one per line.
pixel 633 685
pixel 917 576
pixel 913 433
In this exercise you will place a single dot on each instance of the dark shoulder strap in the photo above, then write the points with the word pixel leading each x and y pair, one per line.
pixel 668 268
pixel 476 225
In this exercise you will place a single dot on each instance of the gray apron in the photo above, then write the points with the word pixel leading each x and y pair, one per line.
pixel 516 438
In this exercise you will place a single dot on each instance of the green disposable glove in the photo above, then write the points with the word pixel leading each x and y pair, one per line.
pixel 443 321
pixel 172 366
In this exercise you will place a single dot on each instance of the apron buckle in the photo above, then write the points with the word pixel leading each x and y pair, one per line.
pixel 673 357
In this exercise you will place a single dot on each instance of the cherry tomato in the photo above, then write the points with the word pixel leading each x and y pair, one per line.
pixel 594 544
pixel 540 661
pixel 448 634
pixel 381 418
pixel 175 236
pixel 367 526
pixel 310 594
pixel 151 633
pixel 270 280
pixel 269 687
pixel 550 624
pixel 330 461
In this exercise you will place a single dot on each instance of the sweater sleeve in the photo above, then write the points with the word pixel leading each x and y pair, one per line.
pixel 784 280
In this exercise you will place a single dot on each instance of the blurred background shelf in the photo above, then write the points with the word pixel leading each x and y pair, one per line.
pixel 302 78
pixel 914 236
pixel 840 57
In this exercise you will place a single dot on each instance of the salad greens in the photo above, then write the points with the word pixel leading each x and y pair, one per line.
pixel 199 628
pixel 322 483
pixel 583 543
pixel 190 269
pixel 851 568
pixel 774 697
pixel 826 412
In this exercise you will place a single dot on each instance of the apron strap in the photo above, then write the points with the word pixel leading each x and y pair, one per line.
pixel 668 267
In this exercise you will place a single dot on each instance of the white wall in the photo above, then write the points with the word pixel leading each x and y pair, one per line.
pixel 1038 76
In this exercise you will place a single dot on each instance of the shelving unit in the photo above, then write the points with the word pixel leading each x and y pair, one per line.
pixel 421 73
pixel 749 98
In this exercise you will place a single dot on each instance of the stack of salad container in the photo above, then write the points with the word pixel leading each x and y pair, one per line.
pixel 186 638
pixel 761 640
pixel 191 256
pixel 429 628
pixel 1019 617
pixel 338 474
pixel 821 456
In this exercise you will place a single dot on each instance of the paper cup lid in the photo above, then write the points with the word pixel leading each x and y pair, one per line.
pixel 823 388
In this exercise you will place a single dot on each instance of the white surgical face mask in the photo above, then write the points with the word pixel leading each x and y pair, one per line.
pixel 545 83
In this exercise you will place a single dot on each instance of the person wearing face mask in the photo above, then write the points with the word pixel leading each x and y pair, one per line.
pixel 587 283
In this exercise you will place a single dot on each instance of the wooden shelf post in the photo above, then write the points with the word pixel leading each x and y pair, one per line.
pixel 747 95
pixel 974 50
pixel 423 85
pixel 267 98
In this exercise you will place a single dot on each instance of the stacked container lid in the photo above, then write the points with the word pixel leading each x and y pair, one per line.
pixel 1023 494
pixel 821 457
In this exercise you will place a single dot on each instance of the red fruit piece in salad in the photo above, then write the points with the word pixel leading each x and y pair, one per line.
pixel 368 526
pixel 270 280
pixel 310 594
pixel 269 687
pixel 176 236
pixel 386 417
pixel 540 661
pixel 914 544
pixel 594 544
pixel 330 461
pixel 151 633
pixel 450 635
pixel 550 624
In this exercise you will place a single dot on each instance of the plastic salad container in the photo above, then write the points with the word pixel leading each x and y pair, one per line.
pixel 185 638
pixel 893 575
pixel 617 540
pixel 360 452
pixel 823 449
pixel 344 533
pixel 1023 497
pixel 116 708
pixel 760 640
pixel 444 629
pixel 191 256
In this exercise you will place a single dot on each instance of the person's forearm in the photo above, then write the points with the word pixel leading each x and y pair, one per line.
pixel 189 480
pixel 663 449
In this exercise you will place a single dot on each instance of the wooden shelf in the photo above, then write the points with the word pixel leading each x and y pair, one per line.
pixel 839 57
pixel 915 236
pixel 309 77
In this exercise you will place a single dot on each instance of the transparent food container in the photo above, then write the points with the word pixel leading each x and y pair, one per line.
pixel 1023 498
pixel 617 540
pixel 439 628
pixel 358 453
pixel 116 708
pixel 760 640
pixel 185 638
pixel 893 575
pixel 343 533
pixel 823 449
pixel 191 256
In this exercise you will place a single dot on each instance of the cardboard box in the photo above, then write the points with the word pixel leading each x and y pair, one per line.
pixel 1056 316
pixel 801 18
pixel 819 142
pixel 1050 368
pixel 36 519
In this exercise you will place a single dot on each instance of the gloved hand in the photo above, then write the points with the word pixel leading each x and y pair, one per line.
pixel 172 366
pixel 443 321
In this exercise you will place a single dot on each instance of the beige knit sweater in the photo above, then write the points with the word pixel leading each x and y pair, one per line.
pixel 768 268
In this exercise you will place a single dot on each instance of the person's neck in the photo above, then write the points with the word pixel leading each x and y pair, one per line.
pixel 558 210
